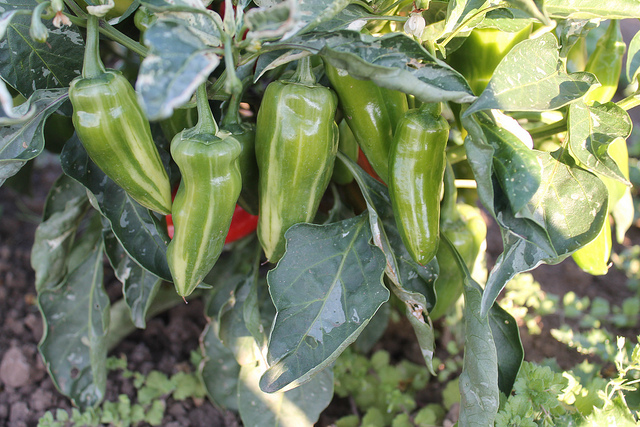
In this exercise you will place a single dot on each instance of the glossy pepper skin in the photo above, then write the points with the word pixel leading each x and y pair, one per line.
pixel 416 169
pixel 477 58
pixel 349 146
pixel 205 200
pixel 245 134
pixel 606 63
pixel 296 146
pixel 372 113
pixel 465 228
pixel 115 132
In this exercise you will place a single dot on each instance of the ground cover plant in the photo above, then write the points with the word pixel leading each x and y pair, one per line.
pixel 312 170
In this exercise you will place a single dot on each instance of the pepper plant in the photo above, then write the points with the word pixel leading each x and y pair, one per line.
pixel 534 139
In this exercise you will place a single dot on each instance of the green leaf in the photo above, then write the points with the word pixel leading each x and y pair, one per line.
pixel 139 286
pixel 24 141
pixel 510 353
pixel 339 278
pixel 27 65
pixel 591 130
pixel 530 78
pixel 478 382
pixel 181 57
pixel 565 213
pixel 533 8
pixel 590 9
pixel 218 370
pixel 76 317
pixel 289 18
pixel 633 58
pixel 412 283
pixel 66 204
pixel 140 232
pixel 299 407
pixel 459 12
pixel 394 61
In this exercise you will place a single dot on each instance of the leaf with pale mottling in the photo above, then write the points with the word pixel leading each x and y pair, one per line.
pixel 24 141
pixel 76 315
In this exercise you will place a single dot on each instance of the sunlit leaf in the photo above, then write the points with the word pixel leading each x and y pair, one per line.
pixel 342 277
pixel 589 9
pixel 591 130
pixel 530 78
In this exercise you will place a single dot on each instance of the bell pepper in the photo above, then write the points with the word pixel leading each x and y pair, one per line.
pixel 296 147
pixel 371 112
pixel 606 63
pixel 114 130
pixel 416 170
pixel 465 228
pixel 479 55
pixel 205 200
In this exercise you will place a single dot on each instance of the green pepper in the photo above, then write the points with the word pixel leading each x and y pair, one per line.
pixel 206 198
pixel 465 228
pixel 245 133
pixel 296 147
pixel 416 170
pixel 349 146
pixel 606 63
pixel 115 131
pixel 372 113
pixel 479 55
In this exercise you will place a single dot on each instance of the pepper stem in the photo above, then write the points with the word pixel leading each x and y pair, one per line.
pixel 92 65
pixel 304 73
pixel 206 122
pixel 233 111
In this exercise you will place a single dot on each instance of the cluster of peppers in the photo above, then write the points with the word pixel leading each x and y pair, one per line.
pixel 270 175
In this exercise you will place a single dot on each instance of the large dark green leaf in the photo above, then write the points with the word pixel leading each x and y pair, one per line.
pixel 218 370
pixel 24 141
pixel 412 283
pixel 27 65
pixel 139 286
pixel 337 277
pixel 506 336
pixel 478 382
pixel 181 57
pixel 590 9
pixel 139 231
pixel 531 78
pixel 565 212
pixel 66 204
pixel 76 317
pixel 394 61
pixel 591 130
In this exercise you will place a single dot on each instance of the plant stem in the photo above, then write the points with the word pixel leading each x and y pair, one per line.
pixel 549 130
pixel 92 65
pixel 629 102
pixel 206 122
